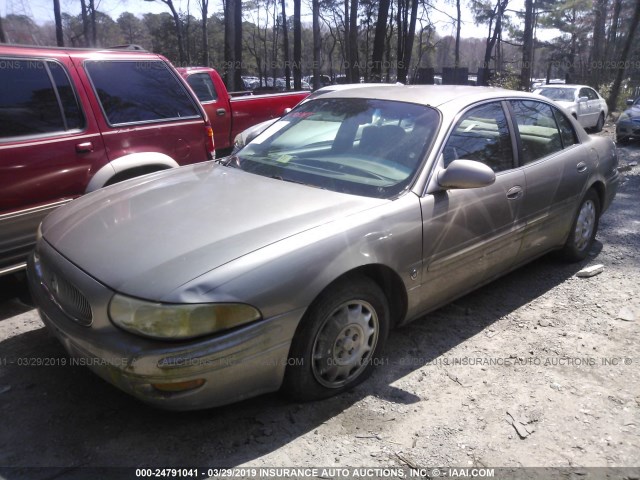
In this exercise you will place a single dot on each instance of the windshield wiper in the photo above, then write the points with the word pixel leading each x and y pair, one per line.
pixel 278 177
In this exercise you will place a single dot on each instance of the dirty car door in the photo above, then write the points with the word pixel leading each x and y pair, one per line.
pixel 473 234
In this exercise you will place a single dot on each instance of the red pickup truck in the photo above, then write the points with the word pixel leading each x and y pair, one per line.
pixel 230 116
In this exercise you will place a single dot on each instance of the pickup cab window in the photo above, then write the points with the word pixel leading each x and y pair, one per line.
pixel 203 87
pixel 139 91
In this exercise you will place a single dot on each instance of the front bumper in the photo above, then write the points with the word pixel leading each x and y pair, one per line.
pixel 234 365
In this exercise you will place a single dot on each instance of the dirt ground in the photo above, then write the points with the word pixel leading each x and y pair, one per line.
pixel 540 368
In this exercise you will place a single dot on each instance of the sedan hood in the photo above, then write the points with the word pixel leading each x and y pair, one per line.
pixel 148 236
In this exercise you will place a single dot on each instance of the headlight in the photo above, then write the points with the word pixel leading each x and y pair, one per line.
pixel 177 321
pixel 624 118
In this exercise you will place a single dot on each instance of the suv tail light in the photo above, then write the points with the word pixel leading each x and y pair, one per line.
pixel 211 146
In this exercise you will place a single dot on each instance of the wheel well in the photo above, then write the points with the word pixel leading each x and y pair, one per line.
pixel 599 189
pixel 134 172
pixel 390 283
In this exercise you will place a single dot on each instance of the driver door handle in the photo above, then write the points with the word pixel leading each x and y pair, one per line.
pixel 514 192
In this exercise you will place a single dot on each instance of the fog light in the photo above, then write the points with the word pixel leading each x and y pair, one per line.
pixel 178 386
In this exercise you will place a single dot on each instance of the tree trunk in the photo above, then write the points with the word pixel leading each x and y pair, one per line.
pixel 624 56
pixel 94 30
pixel 229 44
pixel 527 47
pixel 285 42
pixel 297 46
pixel 612 41
pixel 58 21
pixel 85 23
pixel 346 39
pixel 408 46
pixel 178 24
pixel 3 37
pixel 458 27
pixel 205 32
pixel 501 6
pixel 317 43
pixel 353 42
pixel 379 40
pixel 597 50
pixel 237 18
pixel 402 32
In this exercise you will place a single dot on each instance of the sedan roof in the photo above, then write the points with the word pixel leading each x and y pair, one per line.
pixel 431 95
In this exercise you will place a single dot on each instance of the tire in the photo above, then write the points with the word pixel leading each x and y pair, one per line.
pixel 338 342
pixel 600 124
pixel 583 229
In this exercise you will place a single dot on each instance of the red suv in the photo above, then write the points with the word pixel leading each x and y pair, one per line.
pixel 73 121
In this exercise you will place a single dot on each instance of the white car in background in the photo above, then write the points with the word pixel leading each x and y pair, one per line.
pixel 583 102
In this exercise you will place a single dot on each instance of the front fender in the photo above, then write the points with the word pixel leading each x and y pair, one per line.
pixel 129 162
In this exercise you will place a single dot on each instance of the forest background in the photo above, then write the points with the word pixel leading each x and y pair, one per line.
pixel 594 42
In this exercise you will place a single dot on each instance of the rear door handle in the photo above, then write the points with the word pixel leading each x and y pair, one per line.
pixel 514 192
pixel 220 112
pixel 85 147
pixel 582 167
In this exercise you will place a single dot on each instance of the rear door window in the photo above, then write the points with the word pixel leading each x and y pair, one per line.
pixel 68 100
pixel 139 91
pixel 539 134
pixel 28 101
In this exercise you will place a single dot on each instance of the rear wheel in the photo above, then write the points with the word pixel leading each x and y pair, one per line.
pixel 600 123
pixel 339 340
pixel 584 228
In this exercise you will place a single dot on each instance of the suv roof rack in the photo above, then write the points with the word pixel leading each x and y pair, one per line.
pixel 127 47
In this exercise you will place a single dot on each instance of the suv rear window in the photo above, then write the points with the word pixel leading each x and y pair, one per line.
pixel 139 91
pixel 30 104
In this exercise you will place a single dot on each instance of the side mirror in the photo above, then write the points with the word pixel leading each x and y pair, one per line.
pixel 629 101
pixel 583 99
pixel 466 174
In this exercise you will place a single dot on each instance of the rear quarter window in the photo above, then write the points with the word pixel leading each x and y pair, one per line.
pixel 139 91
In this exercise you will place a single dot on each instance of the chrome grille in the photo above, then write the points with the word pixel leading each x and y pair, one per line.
pixel 66 296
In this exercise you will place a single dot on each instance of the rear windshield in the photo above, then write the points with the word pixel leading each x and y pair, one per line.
pixel 139 91
pixel 562 94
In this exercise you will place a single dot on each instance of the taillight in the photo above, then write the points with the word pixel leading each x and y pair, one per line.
pixel 211 146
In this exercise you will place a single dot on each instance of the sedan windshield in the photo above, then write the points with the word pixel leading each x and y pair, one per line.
pixel 358 146
pixel 561 94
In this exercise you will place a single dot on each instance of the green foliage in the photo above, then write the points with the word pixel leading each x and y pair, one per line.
pixel 509 79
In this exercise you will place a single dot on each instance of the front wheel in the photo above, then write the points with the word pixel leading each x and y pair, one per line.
pixel 622 139
pixel 339 340
pixel 584 228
